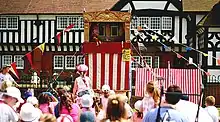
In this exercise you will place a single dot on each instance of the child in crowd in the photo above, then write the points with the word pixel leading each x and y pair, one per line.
pixel 138 115
pixel 47 102
pixel 29 113
pixel 86 104
pixel 67 107
pixel 211 109
pixel 151 98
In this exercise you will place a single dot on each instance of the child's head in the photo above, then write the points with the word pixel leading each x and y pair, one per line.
pixel 138 107
pixel 106 90
pixel 210 101
pixel 44 98
pixel 153 91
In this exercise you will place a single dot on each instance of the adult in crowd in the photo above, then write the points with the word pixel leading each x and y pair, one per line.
pixel 151 98
pixel 82 84
pixel 104 97
pixel 211 109
pixel 9 100
pixel 29 113
pixel 4 74
pixel 168 111
pixel 116 111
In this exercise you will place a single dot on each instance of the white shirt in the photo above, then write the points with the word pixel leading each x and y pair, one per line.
pixel 7 114
pixel 5 77
pixel 213 112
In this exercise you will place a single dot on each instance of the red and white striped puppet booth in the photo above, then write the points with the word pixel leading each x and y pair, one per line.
pixel 106 59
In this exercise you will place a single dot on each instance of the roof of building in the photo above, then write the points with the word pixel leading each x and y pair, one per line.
pixel 198 5
pixel 53 6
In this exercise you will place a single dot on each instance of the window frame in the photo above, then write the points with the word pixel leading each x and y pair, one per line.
pixel 164 20
pixel 140 21
pixel 78 25
pixel 54 67
pixel 80 57
pixel 151 61
pixel 3 62
pixel 19 67
pixel 7 25
pixel 112 26
pixel 66 61
pixel 158 62
pixel 134 64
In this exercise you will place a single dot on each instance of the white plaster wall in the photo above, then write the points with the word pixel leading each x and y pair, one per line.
pixel 198 18
pixel 176 28
pixel 149 4
pixel 184 30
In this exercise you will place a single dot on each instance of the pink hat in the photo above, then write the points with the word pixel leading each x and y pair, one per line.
pixel 82 68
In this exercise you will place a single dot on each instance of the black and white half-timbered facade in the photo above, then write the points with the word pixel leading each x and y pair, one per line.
pixel 161 16
pixel 27 24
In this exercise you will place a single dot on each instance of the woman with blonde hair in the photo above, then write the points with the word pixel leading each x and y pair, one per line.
pixel 151 98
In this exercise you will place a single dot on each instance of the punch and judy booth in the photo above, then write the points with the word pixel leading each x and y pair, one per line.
pixel 107 48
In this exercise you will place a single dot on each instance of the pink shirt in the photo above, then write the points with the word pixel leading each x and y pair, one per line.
pixel 45 107
pixel 81 84
pixel 74 113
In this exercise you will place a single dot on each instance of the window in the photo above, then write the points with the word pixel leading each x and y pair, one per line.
pixel 64 21
pixel 6 59
pixel 153 23
pixel 80 59
pixel 70 62
pixel 166 23
pixel 19 61
pixel 135 64
pixel 10 22
pixel 114 30
pixel 156 62
pixel 58 62
pixel 148 60
pixel 102 30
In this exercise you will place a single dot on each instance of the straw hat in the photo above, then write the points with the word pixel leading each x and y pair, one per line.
pixel 29 113
pixel 86 101
pixel 15 93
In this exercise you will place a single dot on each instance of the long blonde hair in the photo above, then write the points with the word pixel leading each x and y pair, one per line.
pixel 152 89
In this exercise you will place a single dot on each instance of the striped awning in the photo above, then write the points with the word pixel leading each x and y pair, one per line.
pixel 48 48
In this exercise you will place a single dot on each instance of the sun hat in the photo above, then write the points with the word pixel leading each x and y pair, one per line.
pixel 86 101
pixel 112 92
pixel 29 113
pixel 138 105
pixel 65 118
pixel 15 93
pixel 82 68
pixel 27 94
pixel 87 116
pixel 32 100
pixel 106 88
pixel 55 74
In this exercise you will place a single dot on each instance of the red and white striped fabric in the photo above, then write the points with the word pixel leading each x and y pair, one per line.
pixel 108 68
pixel 189 80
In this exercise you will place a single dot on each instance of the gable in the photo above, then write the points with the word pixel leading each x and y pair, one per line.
pixel 138 5
pixel 198 5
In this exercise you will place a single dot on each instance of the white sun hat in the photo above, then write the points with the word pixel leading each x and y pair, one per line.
pixel 32 100
pixel 15 93
pixel 65 118
pixel 86 101
pixel 138 105
pixel 106 88
pixel 29 113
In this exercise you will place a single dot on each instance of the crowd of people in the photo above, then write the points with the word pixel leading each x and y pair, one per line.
pixel 82 104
